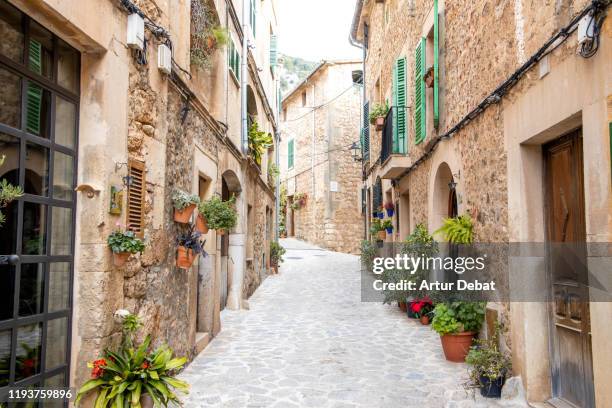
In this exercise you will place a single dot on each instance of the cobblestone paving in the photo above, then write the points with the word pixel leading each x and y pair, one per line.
pixel 308 341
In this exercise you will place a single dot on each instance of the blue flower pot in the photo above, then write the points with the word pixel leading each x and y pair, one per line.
pixel 390 212
pixel 381 215
pixel 491 388
pixel 389 230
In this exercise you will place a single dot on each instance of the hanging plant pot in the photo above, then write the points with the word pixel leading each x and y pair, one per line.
pixel 424 320
pixel 120 258
pixel 381 215
pixel 491 388
pixel 380 123
pixel 183 216
pixel 457 345
pixel 390 212
pixel 429 78
pixel 389 230
pixel 201 224
pixel 185 257
pixel 381 235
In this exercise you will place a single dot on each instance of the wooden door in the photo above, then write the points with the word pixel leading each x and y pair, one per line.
pixel 572 368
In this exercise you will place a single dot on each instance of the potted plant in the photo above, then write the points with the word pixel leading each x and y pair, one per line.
pixel 220 215
pixel 457 323
pixel 378 114
pixel 377 230
pixel 135 377
pixel 403 306
pixel 189 246
pixel 201 225
pixel 276 255
pixel 390 208
pixel 299 201
pixel 422 309
pixel 184 204
pixel 388 226
pixel 490 366
pixel 458 230
pixel 8 193
pixel 429 77
pixel 123 244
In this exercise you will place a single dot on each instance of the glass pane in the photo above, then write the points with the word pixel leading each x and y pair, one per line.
pixel 65 126
pixel 55 382
pixel 37 170
pixel 34 228
pixel 11 32
pixel 62 176
pixel 5 356
pixel 9 170
pixel 7 288
pixel 61 237
pixel 38 105
pixel 10 98
pixel 40 50
pixel 67 67
pixel 59 286
pixel 31 289
pixel 28 351
pixel 56 343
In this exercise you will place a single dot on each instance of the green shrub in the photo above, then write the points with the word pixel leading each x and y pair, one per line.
pixel 182 200
pixel 219 214
pixel 276 253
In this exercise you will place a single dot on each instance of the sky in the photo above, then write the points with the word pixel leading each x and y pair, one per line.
pixel 316 29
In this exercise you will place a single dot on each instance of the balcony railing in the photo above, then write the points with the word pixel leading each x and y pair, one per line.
pixel 387 137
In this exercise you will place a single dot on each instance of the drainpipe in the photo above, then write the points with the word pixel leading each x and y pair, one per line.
pixel 243 76
pixel 314 153
pixel 277 160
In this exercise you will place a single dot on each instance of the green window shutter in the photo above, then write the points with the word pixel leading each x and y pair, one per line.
pixel 273 52
pixel 436 51
pixel 420 118
pixel 399 102
pixel 237 63
pixel 290 154
pixel 365 131
pixel 35 93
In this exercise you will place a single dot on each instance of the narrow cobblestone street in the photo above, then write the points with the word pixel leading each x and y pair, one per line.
pixel 308 341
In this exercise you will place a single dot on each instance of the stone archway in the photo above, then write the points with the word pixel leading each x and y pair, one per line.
pixel 444 199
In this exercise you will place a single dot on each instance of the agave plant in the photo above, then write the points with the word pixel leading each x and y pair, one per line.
pixel 458 230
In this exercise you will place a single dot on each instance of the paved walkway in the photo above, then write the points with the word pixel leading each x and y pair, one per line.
pixel 308 341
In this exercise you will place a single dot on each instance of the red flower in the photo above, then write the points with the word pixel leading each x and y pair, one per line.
pixel 416 307
pixel 97 370
pixel 145 365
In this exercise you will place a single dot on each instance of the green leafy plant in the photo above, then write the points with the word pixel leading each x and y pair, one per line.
pixel 276 253
pixel 458 230
pixel 122 377
pixel 125 241
pixel 259 141
pixel 375 226
pixel 191 240
pixel 8 193
pixel 458 317
pixel 487 361
pixel 182 200
pixel 273 173
pixel 219 214
pixel 378 111
pixel 299 201
pixel 368 253
pixel 387 224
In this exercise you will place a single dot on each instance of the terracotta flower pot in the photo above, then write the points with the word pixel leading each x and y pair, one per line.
pixel 381 235
pixel 183 216
pixel 185 257
pixel 424 320
pixel 201 224
pixel 456 346
pixel 120 258
pixel 380 123
pixel 403 306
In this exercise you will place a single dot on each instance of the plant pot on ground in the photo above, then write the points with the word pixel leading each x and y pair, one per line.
pixel 220 215
pixel 457 323
pixel 189 247
pixel 276 255
pixel 422 309
pixel 184 204
pixel 403 306
pixel 123 244
pixel 489 366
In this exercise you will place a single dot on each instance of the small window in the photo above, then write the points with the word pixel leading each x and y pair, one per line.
pixel 234 59
pixel 136 195
pixel 290 153
pixel 304 98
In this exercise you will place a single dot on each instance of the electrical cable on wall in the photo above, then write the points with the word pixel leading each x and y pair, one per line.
pixel 314 108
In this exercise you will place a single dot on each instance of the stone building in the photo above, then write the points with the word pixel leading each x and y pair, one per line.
pixel 513 128
pixel 80 112
pixel 319 120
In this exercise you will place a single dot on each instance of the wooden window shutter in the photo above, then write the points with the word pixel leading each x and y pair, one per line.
pixel 420 118
pixel 436 52
pixel 35 93
pixel 365 131
pixel 290 154
pixel 136 196
pixel 273 51
pixel 399 102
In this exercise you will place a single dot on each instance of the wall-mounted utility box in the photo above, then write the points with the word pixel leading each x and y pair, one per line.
pixel 135 32
pixel 164 59
pixel 586 28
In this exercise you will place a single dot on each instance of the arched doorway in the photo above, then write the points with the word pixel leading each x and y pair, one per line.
pixel 230 186
pixel 444 197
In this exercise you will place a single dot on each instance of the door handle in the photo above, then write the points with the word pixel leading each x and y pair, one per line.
pixel 9 259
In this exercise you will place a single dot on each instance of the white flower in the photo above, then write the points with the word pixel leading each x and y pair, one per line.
pixel 121 314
